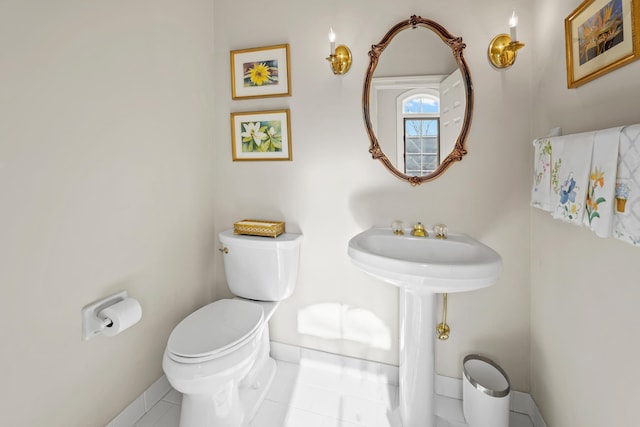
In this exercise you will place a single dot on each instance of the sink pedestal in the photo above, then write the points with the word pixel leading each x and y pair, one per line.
pixel 417 358
pixel 422 267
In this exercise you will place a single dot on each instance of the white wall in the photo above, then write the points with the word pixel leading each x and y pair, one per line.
pixel 333 189
pixel 106 183
pixel 584 290
pixel 115 152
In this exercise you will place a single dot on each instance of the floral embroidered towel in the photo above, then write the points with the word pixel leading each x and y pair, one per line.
pixel 626 218
pixel 598 215
pixel 541 190
pixel 571 163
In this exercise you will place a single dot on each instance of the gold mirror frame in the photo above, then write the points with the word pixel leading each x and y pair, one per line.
pixel 457 47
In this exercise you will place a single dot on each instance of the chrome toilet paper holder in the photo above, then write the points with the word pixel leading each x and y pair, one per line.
pixel 92 322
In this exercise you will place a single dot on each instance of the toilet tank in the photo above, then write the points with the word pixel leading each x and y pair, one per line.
pixel 261 268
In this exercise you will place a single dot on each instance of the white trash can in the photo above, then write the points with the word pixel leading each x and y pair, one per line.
pixel 485 393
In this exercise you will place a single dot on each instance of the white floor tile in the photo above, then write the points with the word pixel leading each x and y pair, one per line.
pixel 284 382
pixel 152 417
pixel 173 397
pixel 366 412
pixel 347 381
pixel 298 417
pixel 449 409
pixel 171 418
pixel 274 414
pixel 270 414
pixel 316 399
pixel 324 395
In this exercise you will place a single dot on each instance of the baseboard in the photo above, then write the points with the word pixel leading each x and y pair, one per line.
pixel 294 354
pixel 143 404
pixel 449 387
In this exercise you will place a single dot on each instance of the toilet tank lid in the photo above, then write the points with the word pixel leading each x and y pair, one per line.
pixel 215 327
pixel 285 240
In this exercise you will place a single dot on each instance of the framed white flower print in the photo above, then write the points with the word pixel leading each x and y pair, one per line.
pixel 261 135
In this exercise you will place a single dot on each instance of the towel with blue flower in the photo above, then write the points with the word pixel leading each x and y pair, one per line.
pixel 571 164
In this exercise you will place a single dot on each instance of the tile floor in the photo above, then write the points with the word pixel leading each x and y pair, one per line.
pixel 318 394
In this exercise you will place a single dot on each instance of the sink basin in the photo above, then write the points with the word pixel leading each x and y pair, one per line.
pixel 456 264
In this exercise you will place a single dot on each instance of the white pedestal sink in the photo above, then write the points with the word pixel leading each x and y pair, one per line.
pixel 422 267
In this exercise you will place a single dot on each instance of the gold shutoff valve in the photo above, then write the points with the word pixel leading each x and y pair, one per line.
pixel 443 330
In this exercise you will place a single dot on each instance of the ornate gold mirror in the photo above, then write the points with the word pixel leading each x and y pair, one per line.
pixel 417 101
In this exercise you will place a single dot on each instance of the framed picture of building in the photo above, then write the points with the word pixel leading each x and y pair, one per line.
pixel 600 36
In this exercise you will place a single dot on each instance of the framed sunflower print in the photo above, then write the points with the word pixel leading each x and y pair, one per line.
pixel 260 72
pixel 261 135
pixel 600 36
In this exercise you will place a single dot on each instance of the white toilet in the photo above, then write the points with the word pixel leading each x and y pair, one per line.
pixel 218 356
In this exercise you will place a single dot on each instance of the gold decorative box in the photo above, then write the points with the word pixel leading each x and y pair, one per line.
pixel 256 227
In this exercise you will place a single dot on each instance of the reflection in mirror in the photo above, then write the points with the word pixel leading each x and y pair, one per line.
pixel 417 107
pixel 417 119
pixel 415 52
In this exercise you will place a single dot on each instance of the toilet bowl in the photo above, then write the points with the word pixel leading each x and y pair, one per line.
pixel 211 369
pixel 218 356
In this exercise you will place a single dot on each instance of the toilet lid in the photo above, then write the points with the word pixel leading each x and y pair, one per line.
pixel 215 328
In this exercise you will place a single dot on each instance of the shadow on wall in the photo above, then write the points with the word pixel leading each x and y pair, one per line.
pixel 336 321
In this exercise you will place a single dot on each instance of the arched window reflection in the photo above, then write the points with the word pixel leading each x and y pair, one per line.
pixel 419 122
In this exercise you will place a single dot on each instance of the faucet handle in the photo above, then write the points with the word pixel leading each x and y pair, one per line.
pixel 419 231
pixel 397 227
pixel 440 231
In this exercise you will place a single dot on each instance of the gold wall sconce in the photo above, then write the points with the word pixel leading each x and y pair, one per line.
pixel 339 57
pixel 503 49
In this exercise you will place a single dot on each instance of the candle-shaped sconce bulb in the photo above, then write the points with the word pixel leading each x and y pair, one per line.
pixel 332 41
pixel 513 23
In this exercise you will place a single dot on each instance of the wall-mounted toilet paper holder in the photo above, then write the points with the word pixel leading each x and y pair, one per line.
pixel 93 323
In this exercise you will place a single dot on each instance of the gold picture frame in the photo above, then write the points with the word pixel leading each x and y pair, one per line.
pixel 261 135
pixel 260 72
pixel 600 36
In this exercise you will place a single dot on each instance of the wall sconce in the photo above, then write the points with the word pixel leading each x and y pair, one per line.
pixel 339 57
pixel 503 49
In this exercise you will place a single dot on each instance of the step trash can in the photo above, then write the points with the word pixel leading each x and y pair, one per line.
pixel 485 393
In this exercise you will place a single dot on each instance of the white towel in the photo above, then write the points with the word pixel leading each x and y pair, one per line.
pixel 571 161
pixel 541 190
pixel 626 219
pixel 600 201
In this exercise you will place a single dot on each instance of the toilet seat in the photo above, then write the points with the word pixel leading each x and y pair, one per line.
pixel 214 330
